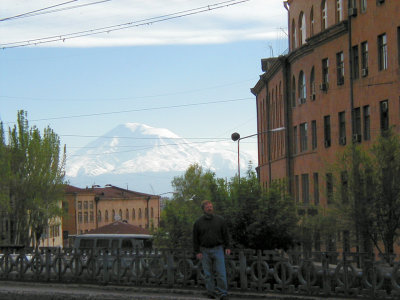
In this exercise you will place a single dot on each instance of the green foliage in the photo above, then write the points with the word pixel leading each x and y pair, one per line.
pixel 368 204
pixel 256 219
pixel 34 178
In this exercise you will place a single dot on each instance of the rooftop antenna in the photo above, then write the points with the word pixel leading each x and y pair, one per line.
pixel 271 53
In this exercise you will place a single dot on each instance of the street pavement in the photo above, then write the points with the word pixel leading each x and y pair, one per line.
pixel 15 290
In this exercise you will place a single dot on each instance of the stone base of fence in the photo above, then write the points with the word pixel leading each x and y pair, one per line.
pixel 18 290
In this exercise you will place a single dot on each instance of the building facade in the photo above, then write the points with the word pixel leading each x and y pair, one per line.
pixel 90 208
pixel 338 84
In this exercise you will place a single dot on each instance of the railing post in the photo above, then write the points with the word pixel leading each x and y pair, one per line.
pixel 170 269
pixel 243 270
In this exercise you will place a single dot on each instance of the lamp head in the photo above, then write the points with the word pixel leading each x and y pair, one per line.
pixel 235 136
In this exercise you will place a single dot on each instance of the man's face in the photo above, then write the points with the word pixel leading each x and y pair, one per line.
pixel 208 209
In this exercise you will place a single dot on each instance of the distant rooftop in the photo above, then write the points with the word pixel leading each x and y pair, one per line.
pixel 119 227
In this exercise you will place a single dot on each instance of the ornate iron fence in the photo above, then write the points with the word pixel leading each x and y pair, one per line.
pixel 317 273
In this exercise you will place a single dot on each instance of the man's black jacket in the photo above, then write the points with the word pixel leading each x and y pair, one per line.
pixel 210 231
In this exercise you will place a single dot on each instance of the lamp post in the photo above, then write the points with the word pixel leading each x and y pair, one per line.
pixel 236 137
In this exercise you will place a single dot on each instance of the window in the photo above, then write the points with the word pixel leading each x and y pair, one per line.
pixel 99 216
pixel 382 52
pixel 398 45
pixel 340 68
pixel 325 71
pixel 363 6
pixel 120 214
pixel 297 188
pixel 113 215
pixel 91 205
pixel 79 217
pixel 312 84
pixel 79 204
pixel 356 66
pixel 384 110
pixel 146 213
pixel 312 21
pixel 316 189
pixel 140 213
pixel 364 59
pixel 305 189
pixel 367 123
pixel 302 28
pixel 339 11
pixel 303 137
pixel 294 139
pixel 357 125
pixel 106 216
pixel 329 187
pixel 302 88
pixel 327 131
pixel 85 217
pixel 324 17
pixel 294 36
pixel 314 134
pixel 344 187
pixel 133 214
pixel 342 128
pixel 85 205
pixel 127 214
pixel 294 92
pixel 91 216
pixel 152 212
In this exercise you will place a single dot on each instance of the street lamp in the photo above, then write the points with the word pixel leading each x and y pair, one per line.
pixel 236 137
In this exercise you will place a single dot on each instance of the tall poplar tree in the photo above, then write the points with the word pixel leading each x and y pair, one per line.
pixel 35 181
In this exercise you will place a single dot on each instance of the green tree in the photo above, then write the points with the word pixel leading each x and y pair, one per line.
pixel 367 197
pixel 275 221
pixel 36 180
pixel 183 209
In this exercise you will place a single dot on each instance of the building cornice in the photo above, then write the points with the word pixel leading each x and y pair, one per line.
pixel 319 39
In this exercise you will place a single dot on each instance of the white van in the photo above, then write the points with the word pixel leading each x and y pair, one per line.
pixel 113 241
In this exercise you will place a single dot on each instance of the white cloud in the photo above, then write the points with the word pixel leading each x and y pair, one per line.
pixel 254 20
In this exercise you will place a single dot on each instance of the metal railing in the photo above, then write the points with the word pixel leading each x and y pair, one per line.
pixel 314 273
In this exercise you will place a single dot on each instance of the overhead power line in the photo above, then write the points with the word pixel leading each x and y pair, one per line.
pixel 47 10
pixel 108 29
pixel 137 110
pixel 44 11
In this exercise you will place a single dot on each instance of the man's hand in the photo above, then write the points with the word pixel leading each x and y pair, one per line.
pixel 199 256
pixel 228 251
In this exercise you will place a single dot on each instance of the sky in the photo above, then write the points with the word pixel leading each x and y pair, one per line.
pixel 84 67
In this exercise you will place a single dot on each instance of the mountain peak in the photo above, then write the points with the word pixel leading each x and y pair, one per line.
pixel 148 130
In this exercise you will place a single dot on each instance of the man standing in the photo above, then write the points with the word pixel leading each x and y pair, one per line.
pixel 210 238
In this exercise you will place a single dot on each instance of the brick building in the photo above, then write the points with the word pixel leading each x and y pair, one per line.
pixel 338 84
pixel 90 208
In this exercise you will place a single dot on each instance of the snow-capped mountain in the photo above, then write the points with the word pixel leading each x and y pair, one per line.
pixel 141 156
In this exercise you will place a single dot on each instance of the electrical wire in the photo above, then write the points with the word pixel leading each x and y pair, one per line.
pixel 137 110
pixel 108 29
pixel 40 12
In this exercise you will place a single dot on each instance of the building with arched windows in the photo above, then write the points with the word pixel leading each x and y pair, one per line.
pixel 90 208
pixel 338 84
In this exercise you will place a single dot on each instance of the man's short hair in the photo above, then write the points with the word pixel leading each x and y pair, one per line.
pixel 204 202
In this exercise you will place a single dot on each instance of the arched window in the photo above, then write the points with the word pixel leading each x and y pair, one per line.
pixel 302 29
pixel 312 21
pixel 140 213
pixel 127 214
pixel 99 216
pixel 113 215
pixel 302 87
pixel 120 214
pixel 106 216
pixel 339 11
pixel 294 35
pixel 133 214
pixel 293 96
pixel 324 16
pixel 312 84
